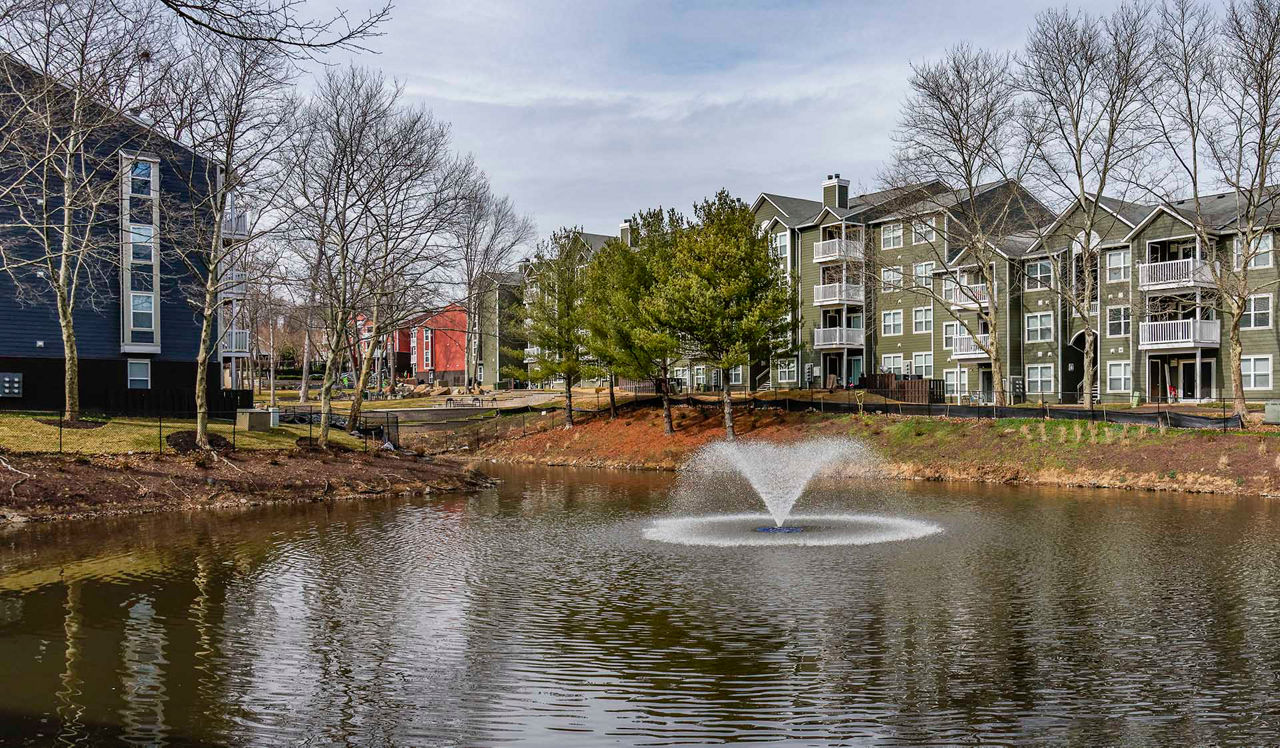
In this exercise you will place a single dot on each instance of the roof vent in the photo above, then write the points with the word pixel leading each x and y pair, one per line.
pixel 830 177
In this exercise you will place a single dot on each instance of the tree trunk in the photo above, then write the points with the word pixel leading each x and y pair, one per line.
pixel 728 406
pixel 271 362
pixel 1235 349
pixel 1086 381
pixel 613 404
pixel 304 389
pixel 664 386
pixel 71 368
pixel 997 381
pixel 357 399
pixel 568 403
pixel 326 390
pixel 202 378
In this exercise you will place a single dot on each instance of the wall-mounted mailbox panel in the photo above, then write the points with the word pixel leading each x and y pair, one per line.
pixel 10 384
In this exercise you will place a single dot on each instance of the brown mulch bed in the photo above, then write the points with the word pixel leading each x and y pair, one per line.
pixel 45 487
pixel 313 444
pixel 76 424
pixel 184 442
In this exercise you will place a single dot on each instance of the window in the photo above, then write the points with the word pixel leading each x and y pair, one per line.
pixel 1257 312
pixel 1039 274
pixel 699 375
pixel 1261 258
pixel 787 370
pixel 1117 265
pixel 1119 376
pixel 780 245
pixel 953 381
pixel 922 319
pixel 1118 321
pixel 1039 327
pixel 950 290
pixel 923 272
pixel 922 364
pixel 142 248
pixel 1256 372
pixel 891 236
pixel 1040 379
pixel 142 311
pixel 891 322
pixel 681 373
pixel 140 178
pixel 139 374
pixel 891 363
pixel 735 375
pixel 949 332
pixel 922 231
pixel 891 277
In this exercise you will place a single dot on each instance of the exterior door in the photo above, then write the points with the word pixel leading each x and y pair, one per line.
pixel 855 369
pixel 986 385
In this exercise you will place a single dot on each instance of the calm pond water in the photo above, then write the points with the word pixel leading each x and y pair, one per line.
pixel 537 613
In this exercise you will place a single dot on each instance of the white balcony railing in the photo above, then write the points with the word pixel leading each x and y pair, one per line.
pixel 838 337
pixel 1180 333
pixel 969 346
pixel 837 293
pixel 235 284
pixel 531 354
pixel 966 296
pixel 235 224
pixel 235 341
pixel 1188 273
pixel 833 250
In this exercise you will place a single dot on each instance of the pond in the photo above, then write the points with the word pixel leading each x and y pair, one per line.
pixel 539 613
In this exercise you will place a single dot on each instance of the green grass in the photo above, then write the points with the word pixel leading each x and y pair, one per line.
pixel 24 433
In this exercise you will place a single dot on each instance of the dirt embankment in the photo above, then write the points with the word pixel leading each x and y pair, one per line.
pixel 1063 453
pixel 46 487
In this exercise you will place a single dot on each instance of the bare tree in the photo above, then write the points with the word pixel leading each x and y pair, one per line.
pixel 72 75
pixel 1086 114
pixel 490 238
pixel 281 24
pixel 959 126
pixel 230 104
pixel 1219 106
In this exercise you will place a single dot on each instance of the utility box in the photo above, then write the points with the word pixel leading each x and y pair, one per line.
pixel 10 384
pixel 1271 414
pixel 248 419
pixel 1135 399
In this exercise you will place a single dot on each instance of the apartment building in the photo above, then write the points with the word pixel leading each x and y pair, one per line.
pixel 496 333
pixel 437 347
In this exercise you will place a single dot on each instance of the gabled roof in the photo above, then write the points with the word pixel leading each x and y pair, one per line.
pixel 793 211
pixel 941 201
pixel 1129 212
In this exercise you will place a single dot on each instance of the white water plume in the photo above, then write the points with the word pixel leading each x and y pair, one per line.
pixel 777 472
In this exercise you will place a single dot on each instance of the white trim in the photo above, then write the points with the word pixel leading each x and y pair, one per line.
pixel 1027 379
pixel 902 362
pixel 928 309
pixel 1270 312
pixel 1154 211
pixel 954 333
pixel 1026 327
pixel 1121 362
pixel 888 285
pixel 1271 375
pixel 900 232
pixel 1105 322
pixel 931 223
pixel 128 373
pixel 1026 276
pixel 794 368
pixel 901 326
pixel 1126 269
pixel 915 368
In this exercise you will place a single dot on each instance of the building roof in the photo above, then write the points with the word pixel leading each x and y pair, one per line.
pixel 595 241
pixel 941 200
pixel 1130 212
pixel 795 211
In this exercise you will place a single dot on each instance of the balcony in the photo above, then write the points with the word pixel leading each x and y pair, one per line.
pixel 966 296
pixel 838 337
pixel 1179 333
pixel 836 250
pixel 531 354
pixel 1174 275
pixel 968 346
pixel 235 224
pixel 837 293
pixel 235 285
pixel 235 343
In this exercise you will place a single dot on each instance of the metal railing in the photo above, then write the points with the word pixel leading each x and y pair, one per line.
pixel 966 296
pixel 969 346
pixel 836 337
pixel 832 250
pixel 837 293
pixel 1179 333
pixel 1174 274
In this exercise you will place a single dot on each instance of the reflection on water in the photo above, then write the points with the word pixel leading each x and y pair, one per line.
pixel 537 612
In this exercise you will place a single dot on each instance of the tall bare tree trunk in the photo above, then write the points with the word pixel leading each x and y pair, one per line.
pixel 1087 380
pixel 271 362
pixel 362 381
pixel 326 389
pixel 1235 349
pixel 304 389
pixel 728 406
pixel 568 403
pixel 202 378
pixel 71 366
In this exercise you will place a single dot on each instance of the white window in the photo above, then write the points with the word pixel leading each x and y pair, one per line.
pixel 922 364
pixel 1118 321
pixel 140 259
pixel 950 290
pixel 1039 327
pixel 681 373
pixel 735 375
pixel 891 277
pixel 787 370
pixel 1256 372
pixel 1039 274
pixel 949 332
pixel 780 246
pixel 923 272
pixel 140 178
pixel 891 322
pixel 141 311
pixel 922 231
pixel 1040 379
pixel 891 236
pixel 891 363
pixel 1117 265
pixel 1257 312
pixel 953 381
pixel 139 374
pixel 922 319
pixel 1119 376
pixel 699 375
pixel 1261 258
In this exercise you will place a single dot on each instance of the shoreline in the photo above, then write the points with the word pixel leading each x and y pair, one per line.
pixel 1029 452
pixel 40 488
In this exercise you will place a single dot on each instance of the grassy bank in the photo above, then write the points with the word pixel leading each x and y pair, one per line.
pixel 1015 450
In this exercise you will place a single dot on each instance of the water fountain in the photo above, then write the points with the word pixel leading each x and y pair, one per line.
pixel 779 474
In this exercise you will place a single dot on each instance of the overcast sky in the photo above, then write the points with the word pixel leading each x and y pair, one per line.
pixel 587 112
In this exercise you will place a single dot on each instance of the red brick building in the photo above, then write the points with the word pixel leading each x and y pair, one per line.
pixel 437 347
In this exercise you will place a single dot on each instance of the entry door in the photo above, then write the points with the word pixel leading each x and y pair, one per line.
pixel 1195 386
pixel 855 369
pixel 986 385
